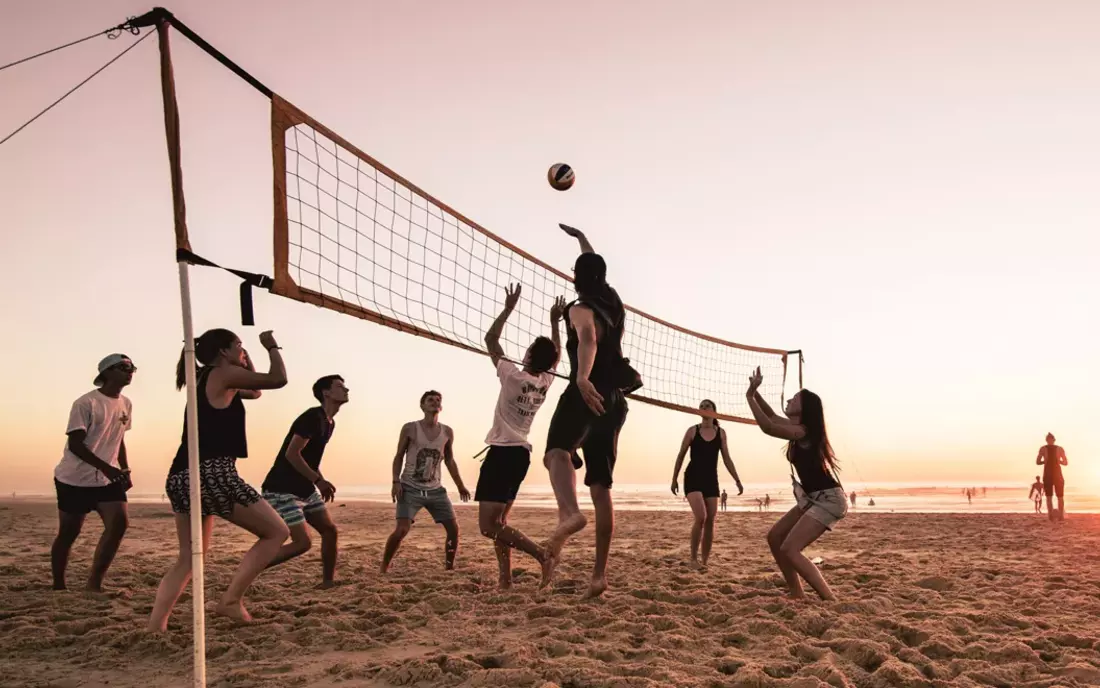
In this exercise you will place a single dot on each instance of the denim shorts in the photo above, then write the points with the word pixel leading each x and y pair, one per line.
pixel 435 501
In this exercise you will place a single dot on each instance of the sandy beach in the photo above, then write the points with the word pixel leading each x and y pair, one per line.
pixel 925 600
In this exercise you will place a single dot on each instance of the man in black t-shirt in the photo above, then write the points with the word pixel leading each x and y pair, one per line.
pixel 295 487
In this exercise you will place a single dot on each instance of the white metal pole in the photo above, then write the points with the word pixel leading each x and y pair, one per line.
pixel 198 595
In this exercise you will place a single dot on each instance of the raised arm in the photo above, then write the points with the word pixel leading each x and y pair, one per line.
pixel 452 467
pixel 249 393
pixel 492 336
pixel 577 234
pixel 236 377
pixel 684 445
pixel 775 417
pixel 729 463
pixel 556 312
pixel 786 431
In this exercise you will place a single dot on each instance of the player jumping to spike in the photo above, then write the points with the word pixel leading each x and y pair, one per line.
pixel 592 409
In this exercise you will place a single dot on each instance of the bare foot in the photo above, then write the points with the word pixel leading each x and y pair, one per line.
pixel 504 582
pixel 59 586
pixel 596 588
pixel 154 628
pixel 695 565
pixel 570 526
pixel 234 610
pixel 327 585
pixel 549 563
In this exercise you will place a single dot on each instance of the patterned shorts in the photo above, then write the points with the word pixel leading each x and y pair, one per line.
pixel 222 488
pixel 292 508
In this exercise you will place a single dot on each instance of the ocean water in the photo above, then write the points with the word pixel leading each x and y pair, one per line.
pixel 888 497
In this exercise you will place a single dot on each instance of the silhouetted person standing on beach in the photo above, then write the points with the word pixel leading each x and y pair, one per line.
pixel 592 410
pixel 93 474
pixel 1052 457
pixel 724 498
pixel 820 500
pixel 1036 494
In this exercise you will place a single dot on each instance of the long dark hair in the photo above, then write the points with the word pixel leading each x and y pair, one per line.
pixel 813 419
pixel 590 274
pixel 713 406
pixel 207 347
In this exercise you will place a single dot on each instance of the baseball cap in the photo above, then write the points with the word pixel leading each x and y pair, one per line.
pixel 109 362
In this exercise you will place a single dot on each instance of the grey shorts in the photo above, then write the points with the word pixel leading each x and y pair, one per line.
pixel 824 506
pixel 435 501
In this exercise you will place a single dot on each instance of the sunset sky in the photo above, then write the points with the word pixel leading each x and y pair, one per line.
pixel 907 193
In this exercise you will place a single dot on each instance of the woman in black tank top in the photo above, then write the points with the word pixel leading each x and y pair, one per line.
pixel 224 380
pixel 821 501
pixel 701 489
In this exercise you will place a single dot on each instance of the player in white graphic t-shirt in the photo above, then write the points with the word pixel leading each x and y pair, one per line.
pixel 522 391
pixel 93 474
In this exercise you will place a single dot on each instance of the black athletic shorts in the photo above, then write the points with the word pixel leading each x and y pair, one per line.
pixel 574 426
pixel 502 472
pixel 82 500
pixel 697 481
pixel 1055 485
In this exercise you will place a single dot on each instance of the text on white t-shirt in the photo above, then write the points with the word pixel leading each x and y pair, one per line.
pixel 521 395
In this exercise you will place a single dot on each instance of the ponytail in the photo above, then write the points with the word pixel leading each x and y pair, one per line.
pixel 207 347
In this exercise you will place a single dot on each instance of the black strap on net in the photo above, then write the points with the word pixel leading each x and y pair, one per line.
pixel 251 279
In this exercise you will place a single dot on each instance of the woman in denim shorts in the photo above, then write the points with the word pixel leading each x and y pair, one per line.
pixel 821 501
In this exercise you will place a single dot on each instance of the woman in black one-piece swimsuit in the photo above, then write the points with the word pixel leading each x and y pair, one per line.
pixel 701 478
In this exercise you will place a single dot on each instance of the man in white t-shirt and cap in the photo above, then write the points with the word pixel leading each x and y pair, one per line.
pixel 93 474
pixel 522 391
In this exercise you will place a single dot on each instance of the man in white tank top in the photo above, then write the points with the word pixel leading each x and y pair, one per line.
pixel 422 448
pixel 522 391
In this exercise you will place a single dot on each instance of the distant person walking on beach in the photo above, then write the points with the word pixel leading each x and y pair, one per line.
pixel 224 379
pixel 1052 457
pixel 1036 494
pixel 724 498
pixel 295 487
pixel 522 393
pixel 767 502
pixel 969 497
pixel 422 448
pixel 820 499
pixel 701 478
pixel 853 498
pixel 93 474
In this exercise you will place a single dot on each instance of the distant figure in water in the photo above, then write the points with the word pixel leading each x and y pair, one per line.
pixel 724 498
pixel 871 501
pixel 983 491
pixel 853 499
pixel 1036 494
pixel 1052 457
pixel 767 502
pixel 969 497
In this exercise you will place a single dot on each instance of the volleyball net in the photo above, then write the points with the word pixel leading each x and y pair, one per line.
pixel 353 236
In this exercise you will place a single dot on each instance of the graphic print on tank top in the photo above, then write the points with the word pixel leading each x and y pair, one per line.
pixel 424 459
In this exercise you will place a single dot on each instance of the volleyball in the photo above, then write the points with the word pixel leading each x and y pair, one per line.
pixel 560 176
